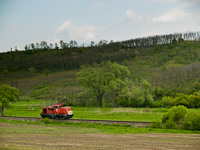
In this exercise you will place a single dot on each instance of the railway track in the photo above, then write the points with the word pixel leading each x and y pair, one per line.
pixel 134 123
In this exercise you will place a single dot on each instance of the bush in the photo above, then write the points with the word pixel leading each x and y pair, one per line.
pixel 181 99
pixel 194 100
pixel 156 124
pixel 175 114
pixel 157 104
pixel 167 101
pixel 170 124
pixel 191 121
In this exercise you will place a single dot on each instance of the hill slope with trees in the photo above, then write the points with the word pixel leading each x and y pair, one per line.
pixel 169 63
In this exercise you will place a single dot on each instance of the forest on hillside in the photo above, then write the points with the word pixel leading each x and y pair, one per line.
pixel 164 69
pixel 43 56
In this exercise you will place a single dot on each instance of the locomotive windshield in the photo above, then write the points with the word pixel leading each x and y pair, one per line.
pixel 45 110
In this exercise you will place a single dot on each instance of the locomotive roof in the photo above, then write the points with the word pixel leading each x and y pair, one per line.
pixel 48 107
pixel 61 104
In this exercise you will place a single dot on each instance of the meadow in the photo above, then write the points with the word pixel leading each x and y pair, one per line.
pixel 33 108
pixel 17 134
pixel 48 134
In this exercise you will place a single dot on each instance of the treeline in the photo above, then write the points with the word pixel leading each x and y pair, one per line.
pixel 145 41
pixel 67 56
pixel 162 39
pixel 61 59
pixel 43 45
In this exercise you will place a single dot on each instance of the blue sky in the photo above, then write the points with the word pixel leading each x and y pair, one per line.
pixel 29 21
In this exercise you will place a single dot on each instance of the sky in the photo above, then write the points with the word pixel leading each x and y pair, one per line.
pixel 29 21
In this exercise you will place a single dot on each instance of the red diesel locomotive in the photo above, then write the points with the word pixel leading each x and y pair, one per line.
pixel 57 111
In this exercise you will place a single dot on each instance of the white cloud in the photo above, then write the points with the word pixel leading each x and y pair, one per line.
pixel 173 15
pixel 82 33
pixel 133 16
pixel 64 26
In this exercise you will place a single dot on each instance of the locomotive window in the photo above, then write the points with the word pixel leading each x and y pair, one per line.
pixel 45 110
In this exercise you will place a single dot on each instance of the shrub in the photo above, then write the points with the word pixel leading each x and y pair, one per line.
pixel 157 103
pixel 156 124
pixel 165 117
pixel 191 121
pixel 181 99
pixel 170 124
pixel 175 114
pixel 167 101
pixel 194 100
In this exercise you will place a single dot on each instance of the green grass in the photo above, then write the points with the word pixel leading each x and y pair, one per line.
pixel 125 114
pixel 33 108
pixel 75 127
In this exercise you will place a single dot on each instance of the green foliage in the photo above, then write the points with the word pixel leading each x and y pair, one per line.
pixel 8 94
pixel 157 104
pixel 191 121
pixel 170 124
pixel 81 50
pixel 170 69
pixel 32 70
pixel 167 101
pixel 175 114
pixel 101 78
pixel 5 71
pixel 45 121
pixel 158 93
pixel 181 99
pixel 46 72
pixel 87 98
pixel 156 124
pixel 141 96
pixel 137 97
pixel 192 101
pixel 158 48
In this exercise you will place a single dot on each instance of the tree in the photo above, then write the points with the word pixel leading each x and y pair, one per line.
pixel 102 42
pixel 56 46
pixel 92 43
pixel 148 99
pixel 141 96
pixel 16 48
pixel 26 47
pixel 7 94
pixel 44 45
pixel 101 78
pixel 32 46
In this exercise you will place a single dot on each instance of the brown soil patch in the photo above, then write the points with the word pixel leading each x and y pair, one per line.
pixel 90 141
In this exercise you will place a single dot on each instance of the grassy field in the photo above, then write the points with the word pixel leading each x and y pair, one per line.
pixel 32 108
pixel 36 135
pixel 17 134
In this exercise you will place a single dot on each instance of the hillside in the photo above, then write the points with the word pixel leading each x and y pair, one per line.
pixel 51 74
